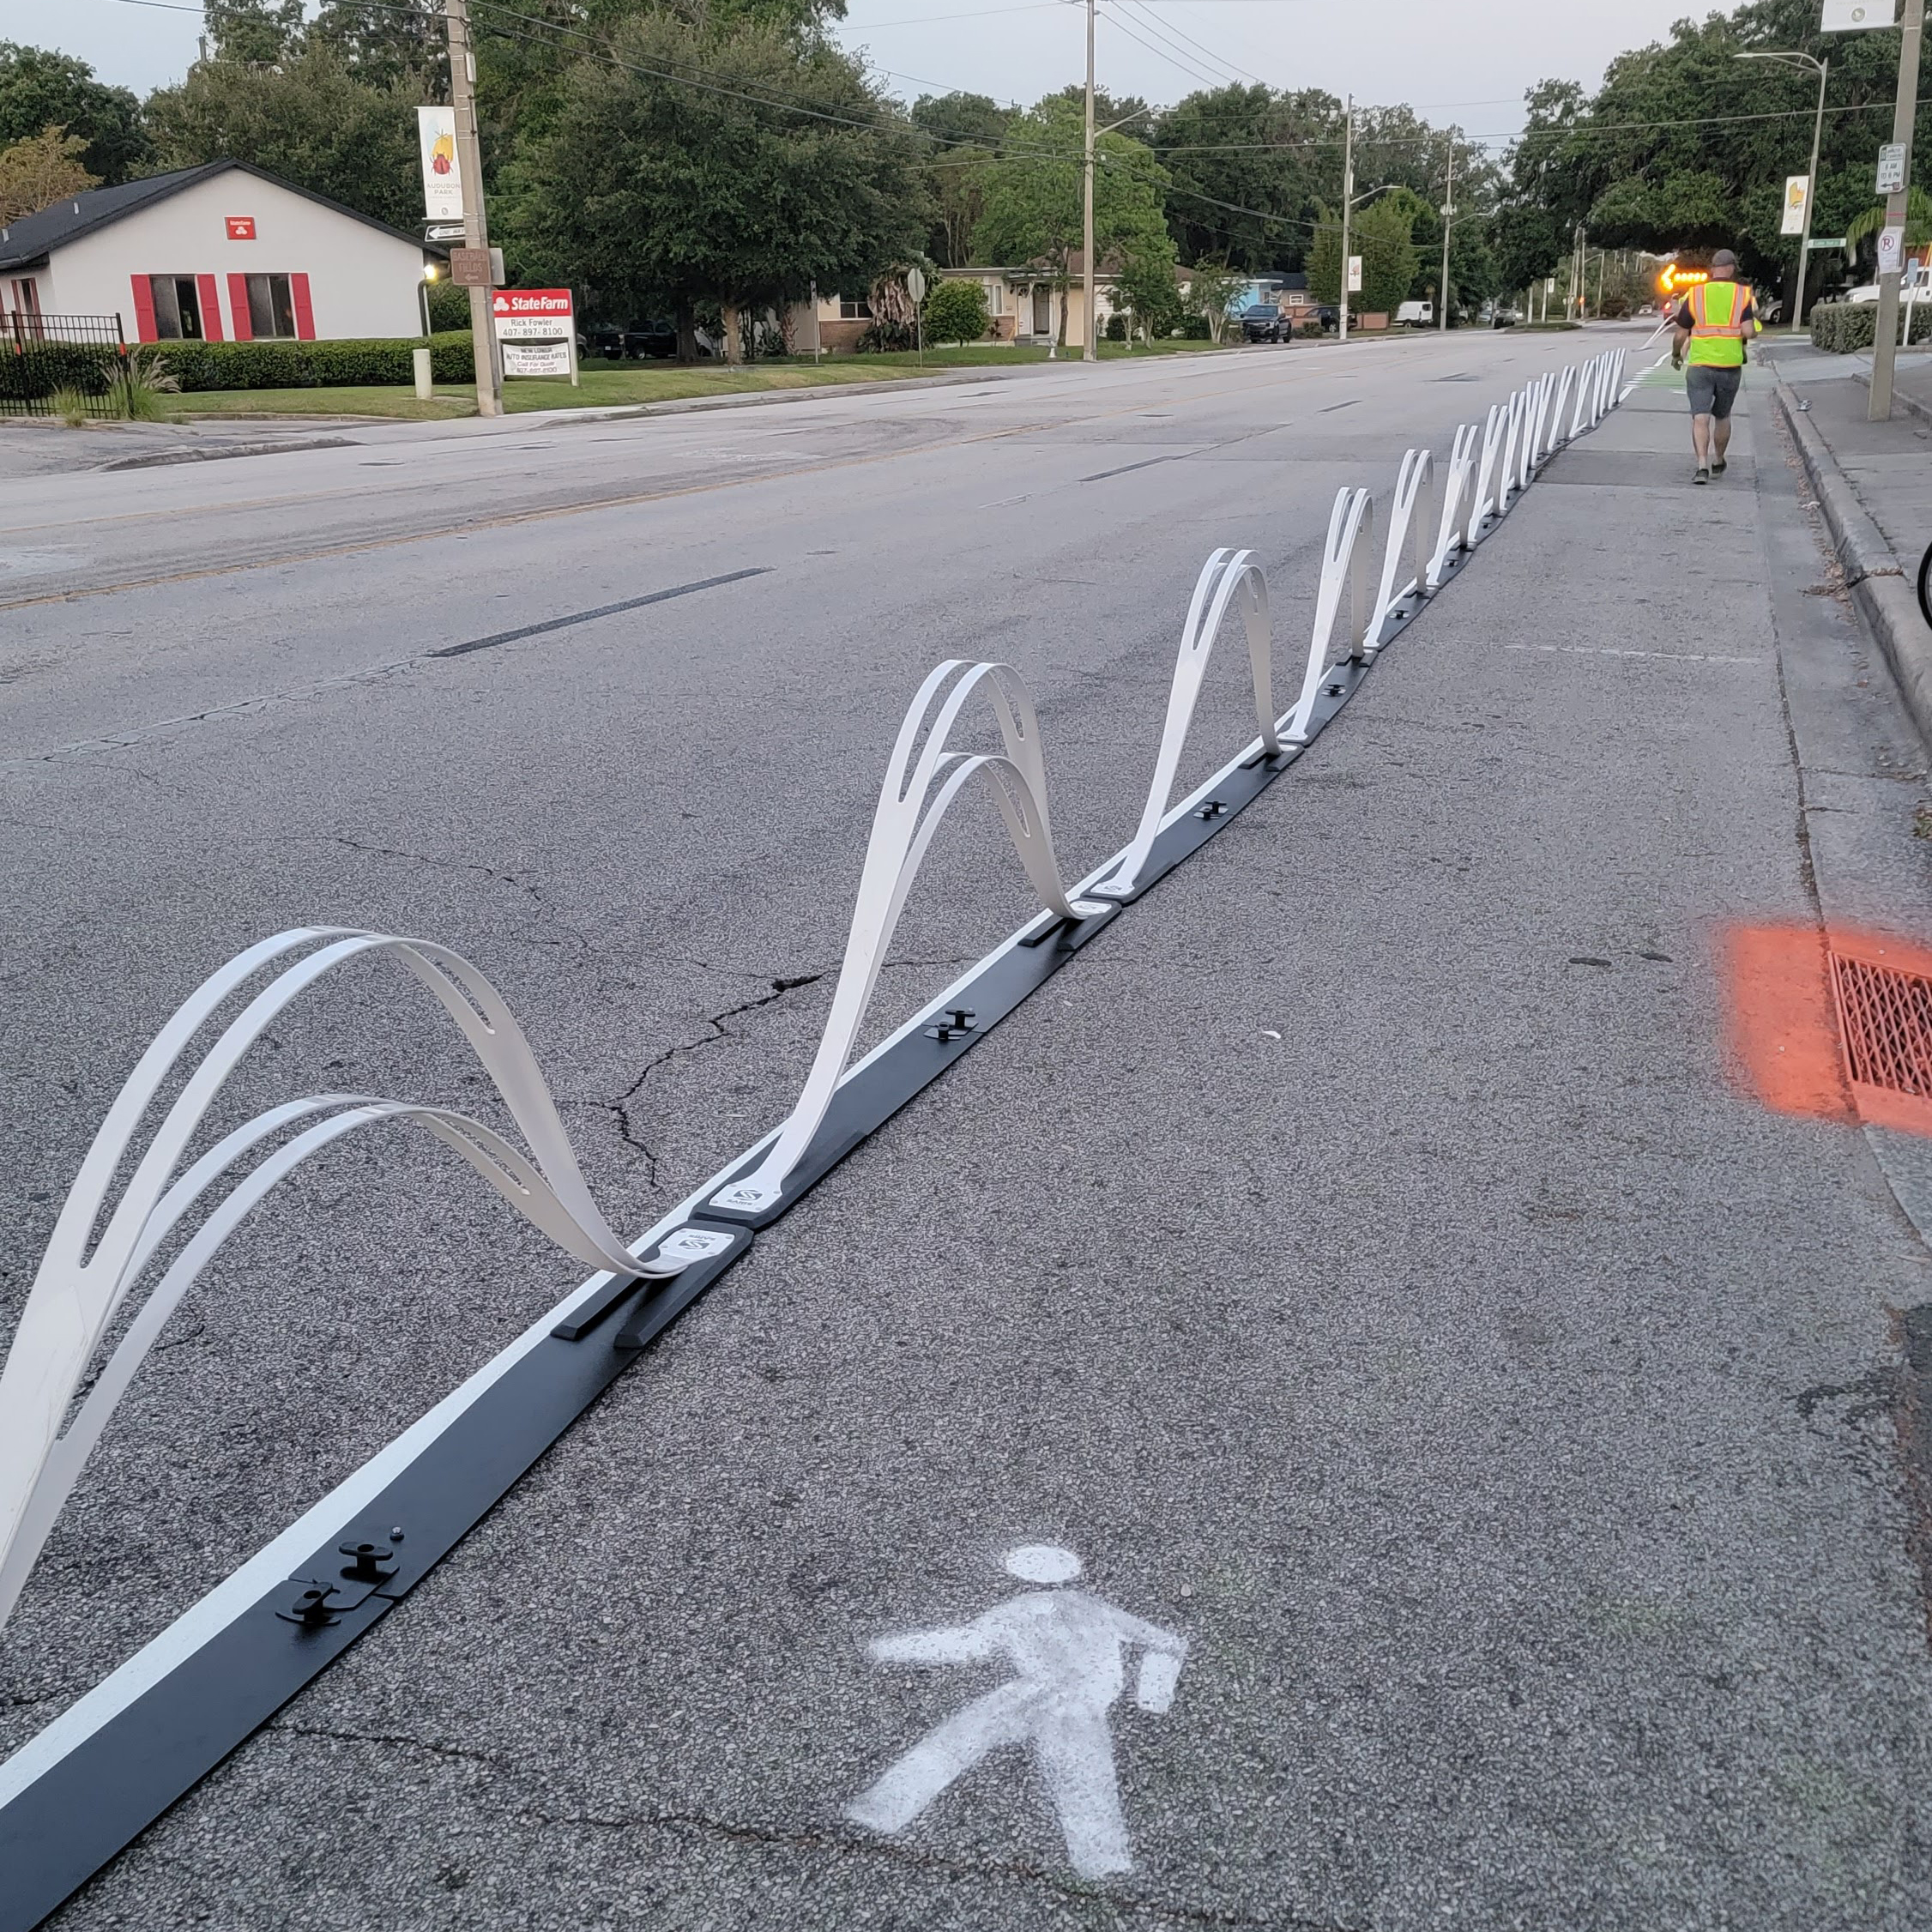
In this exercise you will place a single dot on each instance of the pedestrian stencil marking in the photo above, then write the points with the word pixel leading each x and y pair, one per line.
pixel 1068 1650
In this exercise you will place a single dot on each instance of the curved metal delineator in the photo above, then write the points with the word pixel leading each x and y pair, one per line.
pixel 1344 568
pixel 1227 576
pixel 89 1271
pixel 909 813
pixel 1415 481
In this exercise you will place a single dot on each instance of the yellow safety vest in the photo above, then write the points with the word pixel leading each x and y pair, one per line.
pixel 1717 323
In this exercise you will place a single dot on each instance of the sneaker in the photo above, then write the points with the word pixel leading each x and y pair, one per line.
pixel 1703 476
pixel 1718 467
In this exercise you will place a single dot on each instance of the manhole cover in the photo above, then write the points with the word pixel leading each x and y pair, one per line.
pixel 1885 1016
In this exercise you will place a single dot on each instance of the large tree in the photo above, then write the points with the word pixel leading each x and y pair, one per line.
pixel 41 89
pixel 307 118
pixel 1034 204
pixel 680 173
pixel 39 172
pixel 1687 146
pixel 962 133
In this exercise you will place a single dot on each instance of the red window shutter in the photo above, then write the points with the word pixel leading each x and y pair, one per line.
pixel 305 310
pixel 211 309
pixel 143 307
pixel 238 308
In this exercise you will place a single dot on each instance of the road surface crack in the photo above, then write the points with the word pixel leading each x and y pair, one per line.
pixel 1139 1906
pixel 453 1752
pixel 490 873
pixel 622 1105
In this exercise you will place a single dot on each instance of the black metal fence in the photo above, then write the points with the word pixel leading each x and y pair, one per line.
pixel 51 365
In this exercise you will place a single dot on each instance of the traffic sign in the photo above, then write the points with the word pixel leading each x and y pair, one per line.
pixel 916 285
pixel 1891 167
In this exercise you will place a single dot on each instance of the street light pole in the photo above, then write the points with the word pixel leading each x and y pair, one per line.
pixel 1884 346
pixel 1089 350
pixel 1448 213
pixel 1796 57
pixel 476 227
pixel 1347 190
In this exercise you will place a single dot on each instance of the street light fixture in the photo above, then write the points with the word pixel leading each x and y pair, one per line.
pixel 1794 59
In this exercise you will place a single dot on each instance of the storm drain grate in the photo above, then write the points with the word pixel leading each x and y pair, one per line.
pixel 1886 1017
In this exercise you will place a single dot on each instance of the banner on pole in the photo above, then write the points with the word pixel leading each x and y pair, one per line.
pixel 443 183
pixel 1355 275
pixel 1797 192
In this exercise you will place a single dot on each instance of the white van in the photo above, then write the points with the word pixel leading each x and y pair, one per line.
pixel 1416 315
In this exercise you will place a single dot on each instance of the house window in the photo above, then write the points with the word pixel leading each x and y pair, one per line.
pixel 27 296
pixel 271 309
pixel 853 311
pixel 178 308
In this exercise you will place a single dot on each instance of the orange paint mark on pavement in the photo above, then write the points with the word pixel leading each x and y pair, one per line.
pixel 1834 1024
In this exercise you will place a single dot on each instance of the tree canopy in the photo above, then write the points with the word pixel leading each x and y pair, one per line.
pixel 41 89
pixel 654 196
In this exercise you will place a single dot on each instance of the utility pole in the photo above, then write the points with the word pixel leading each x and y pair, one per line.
pixel 476 228
pixel 1347 190
pixel 1448 213
pixel 1884 345
pixel 1090 349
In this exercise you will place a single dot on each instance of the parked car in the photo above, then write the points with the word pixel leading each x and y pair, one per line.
pixel 1504 318
pixel 1416 315
pixel 1915 274
pixel 1262 322
pixel 1327 316
pixel 657 339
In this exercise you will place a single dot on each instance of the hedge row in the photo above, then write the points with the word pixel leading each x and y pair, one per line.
pixel 43 367
pixel 1843 327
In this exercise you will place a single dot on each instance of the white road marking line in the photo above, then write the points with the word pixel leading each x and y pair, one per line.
pixel 1066 1650
pixel 1670 656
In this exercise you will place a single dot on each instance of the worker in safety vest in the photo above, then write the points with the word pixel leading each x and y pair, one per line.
pixel 1711 320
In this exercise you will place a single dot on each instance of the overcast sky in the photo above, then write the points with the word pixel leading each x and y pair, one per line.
pixel 1465 61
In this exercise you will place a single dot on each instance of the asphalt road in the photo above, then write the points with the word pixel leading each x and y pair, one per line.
pixel 1364 1260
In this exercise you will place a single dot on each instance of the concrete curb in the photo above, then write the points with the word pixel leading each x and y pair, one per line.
pixel 1877 582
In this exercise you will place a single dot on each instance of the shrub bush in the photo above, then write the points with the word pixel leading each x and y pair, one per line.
pixel 1195 329
pixel 1116 328
pixel 298 366
pixel 1841 328
pixel 449 307
pixel 955 311
pixel 882 338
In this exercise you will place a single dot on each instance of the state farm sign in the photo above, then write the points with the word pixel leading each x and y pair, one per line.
pixel 532 314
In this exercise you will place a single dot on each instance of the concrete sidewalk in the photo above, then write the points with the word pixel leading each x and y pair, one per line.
pixel 1873 484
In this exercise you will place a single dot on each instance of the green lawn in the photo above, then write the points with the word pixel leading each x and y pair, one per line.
pixel 613 385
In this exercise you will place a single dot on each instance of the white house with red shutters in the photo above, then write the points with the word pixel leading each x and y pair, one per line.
pixel 222 253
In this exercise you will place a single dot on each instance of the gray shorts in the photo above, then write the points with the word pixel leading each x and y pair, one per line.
pixel 1712 389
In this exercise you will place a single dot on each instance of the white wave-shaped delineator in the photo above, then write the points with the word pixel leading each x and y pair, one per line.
pixel 89 1271
pixel 1414 482
pixel 909 813
pixel 1228 577
pixel 1494 426
pixel 1454 532
pixel 1555 436
pixel 1344 568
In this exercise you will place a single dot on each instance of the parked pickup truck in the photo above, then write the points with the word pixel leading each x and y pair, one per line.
pixel 1263 322
pixel 1416 315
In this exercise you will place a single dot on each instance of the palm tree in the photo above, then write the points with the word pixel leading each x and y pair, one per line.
pixel 1918 221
